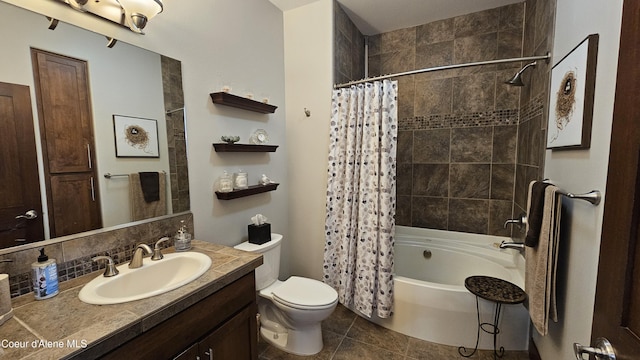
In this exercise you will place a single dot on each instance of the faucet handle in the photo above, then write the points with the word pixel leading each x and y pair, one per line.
pixel 157 251
pixel 110 270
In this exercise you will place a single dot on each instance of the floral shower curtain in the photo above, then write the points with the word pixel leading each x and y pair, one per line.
pixel 361 190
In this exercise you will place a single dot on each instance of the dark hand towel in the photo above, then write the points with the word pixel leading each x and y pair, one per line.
pixel 535 213
pixel 150 184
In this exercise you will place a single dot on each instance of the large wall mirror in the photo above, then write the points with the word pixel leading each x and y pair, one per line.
pixel 124 81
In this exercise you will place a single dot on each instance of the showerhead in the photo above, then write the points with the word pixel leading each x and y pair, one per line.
pixel 516 80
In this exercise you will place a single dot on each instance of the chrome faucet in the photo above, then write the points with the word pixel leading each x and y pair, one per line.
pixel 136 259
pixel 512 245
pixel 519 221
pixel 157 251
pixel 110 270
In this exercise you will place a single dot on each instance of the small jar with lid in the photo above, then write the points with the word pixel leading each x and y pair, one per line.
pixel 240 180
pixel 225 183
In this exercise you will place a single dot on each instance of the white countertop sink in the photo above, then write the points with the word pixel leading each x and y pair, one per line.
pixel 153 278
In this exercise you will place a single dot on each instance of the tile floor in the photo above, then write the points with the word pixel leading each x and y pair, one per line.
pixel 349 336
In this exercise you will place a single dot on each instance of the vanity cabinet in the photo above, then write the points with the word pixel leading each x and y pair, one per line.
pixel 220 326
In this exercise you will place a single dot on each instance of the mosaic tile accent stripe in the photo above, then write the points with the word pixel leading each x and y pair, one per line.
pixel 474 119
pixel 535 107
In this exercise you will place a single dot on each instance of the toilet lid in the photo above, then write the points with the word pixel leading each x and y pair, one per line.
pixel 303 292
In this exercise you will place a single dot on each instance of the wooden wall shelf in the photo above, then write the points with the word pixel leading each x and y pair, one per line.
pixel 224 147
pixel 251 190
pixel 224 98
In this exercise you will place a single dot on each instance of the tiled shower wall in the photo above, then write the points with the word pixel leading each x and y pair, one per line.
pixel 458 128
pixel 177 144
pixel 534 99
pixel 348 48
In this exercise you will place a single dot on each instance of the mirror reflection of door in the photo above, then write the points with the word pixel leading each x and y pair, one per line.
pixel 20 190
pixel 64 109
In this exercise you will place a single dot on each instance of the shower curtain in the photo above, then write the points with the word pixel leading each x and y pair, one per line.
pixel 361 190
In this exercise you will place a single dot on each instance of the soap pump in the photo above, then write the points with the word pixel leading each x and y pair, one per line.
pixel 45 277
pixel 182 240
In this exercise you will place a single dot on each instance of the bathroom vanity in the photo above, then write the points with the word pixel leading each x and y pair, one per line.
pixel 211 317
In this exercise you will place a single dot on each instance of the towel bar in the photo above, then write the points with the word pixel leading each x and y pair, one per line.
pixel 110 175
pixel 593 196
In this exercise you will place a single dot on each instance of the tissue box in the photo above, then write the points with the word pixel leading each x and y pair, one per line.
pixel 259 234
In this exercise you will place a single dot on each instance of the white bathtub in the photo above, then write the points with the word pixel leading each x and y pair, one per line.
pixel 431 302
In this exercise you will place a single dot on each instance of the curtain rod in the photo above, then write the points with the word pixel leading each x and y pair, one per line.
pixel 446 67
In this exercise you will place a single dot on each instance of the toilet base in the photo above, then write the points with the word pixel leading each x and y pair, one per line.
pixel 297 342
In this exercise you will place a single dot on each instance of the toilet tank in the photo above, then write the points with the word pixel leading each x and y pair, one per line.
pixel 267 273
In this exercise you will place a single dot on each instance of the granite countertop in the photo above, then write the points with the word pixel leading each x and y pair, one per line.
pixel 65 327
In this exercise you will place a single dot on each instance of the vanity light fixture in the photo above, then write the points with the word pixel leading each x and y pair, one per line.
pixel 133 14
pixel 138 12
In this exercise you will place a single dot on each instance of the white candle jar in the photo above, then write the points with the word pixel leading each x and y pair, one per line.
pixel 240 180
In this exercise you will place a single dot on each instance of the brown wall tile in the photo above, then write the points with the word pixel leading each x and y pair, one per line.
pixel 471 144
pixel 474 93
pixel 404 176
pixel 469 215
pixel 470 181
pixel 435 32
pixel 431 180
pixel 433 97
pixel 504 144
pixel 475 48
pixel 431 146
pixel 477 23
pixel 429 212
pixel 502 181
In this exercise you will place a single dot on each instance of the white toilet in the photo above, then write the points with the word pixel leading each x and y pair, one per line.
pixel 291 311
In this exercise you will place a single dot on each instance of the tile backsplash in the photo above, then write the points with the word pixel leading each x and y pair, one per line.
pixel 74 253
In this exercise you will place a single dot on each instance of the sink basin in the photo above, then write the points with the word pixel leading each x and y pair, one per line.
pixel 153 278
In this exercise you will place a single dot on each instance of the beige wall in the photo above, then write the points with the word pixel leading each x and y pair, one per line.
pixel 581 171
pixel 309 70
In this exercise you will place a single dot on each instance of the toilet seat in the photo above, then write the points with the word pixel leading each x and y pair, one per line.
pixel 305 294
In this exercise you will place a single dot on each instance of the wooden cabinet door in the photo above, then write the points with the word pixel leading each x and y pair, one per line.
pixel 66 116
pixel 73 195
pixel 616 315
pixel 20 190
pixel 230 341
pixel 64 108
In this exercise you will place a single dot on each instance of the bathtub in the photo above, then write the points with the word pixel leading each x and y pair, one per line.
pixel 431 302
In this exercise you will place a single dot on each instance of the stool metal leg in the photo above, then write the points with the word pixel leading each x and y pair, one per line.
pixel 461 349
pixel 496 331
pixel 488 328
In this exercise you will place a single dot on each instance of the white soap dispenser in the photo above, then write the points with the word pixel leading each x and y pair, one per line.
pixel 45 277
pixel 182 240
